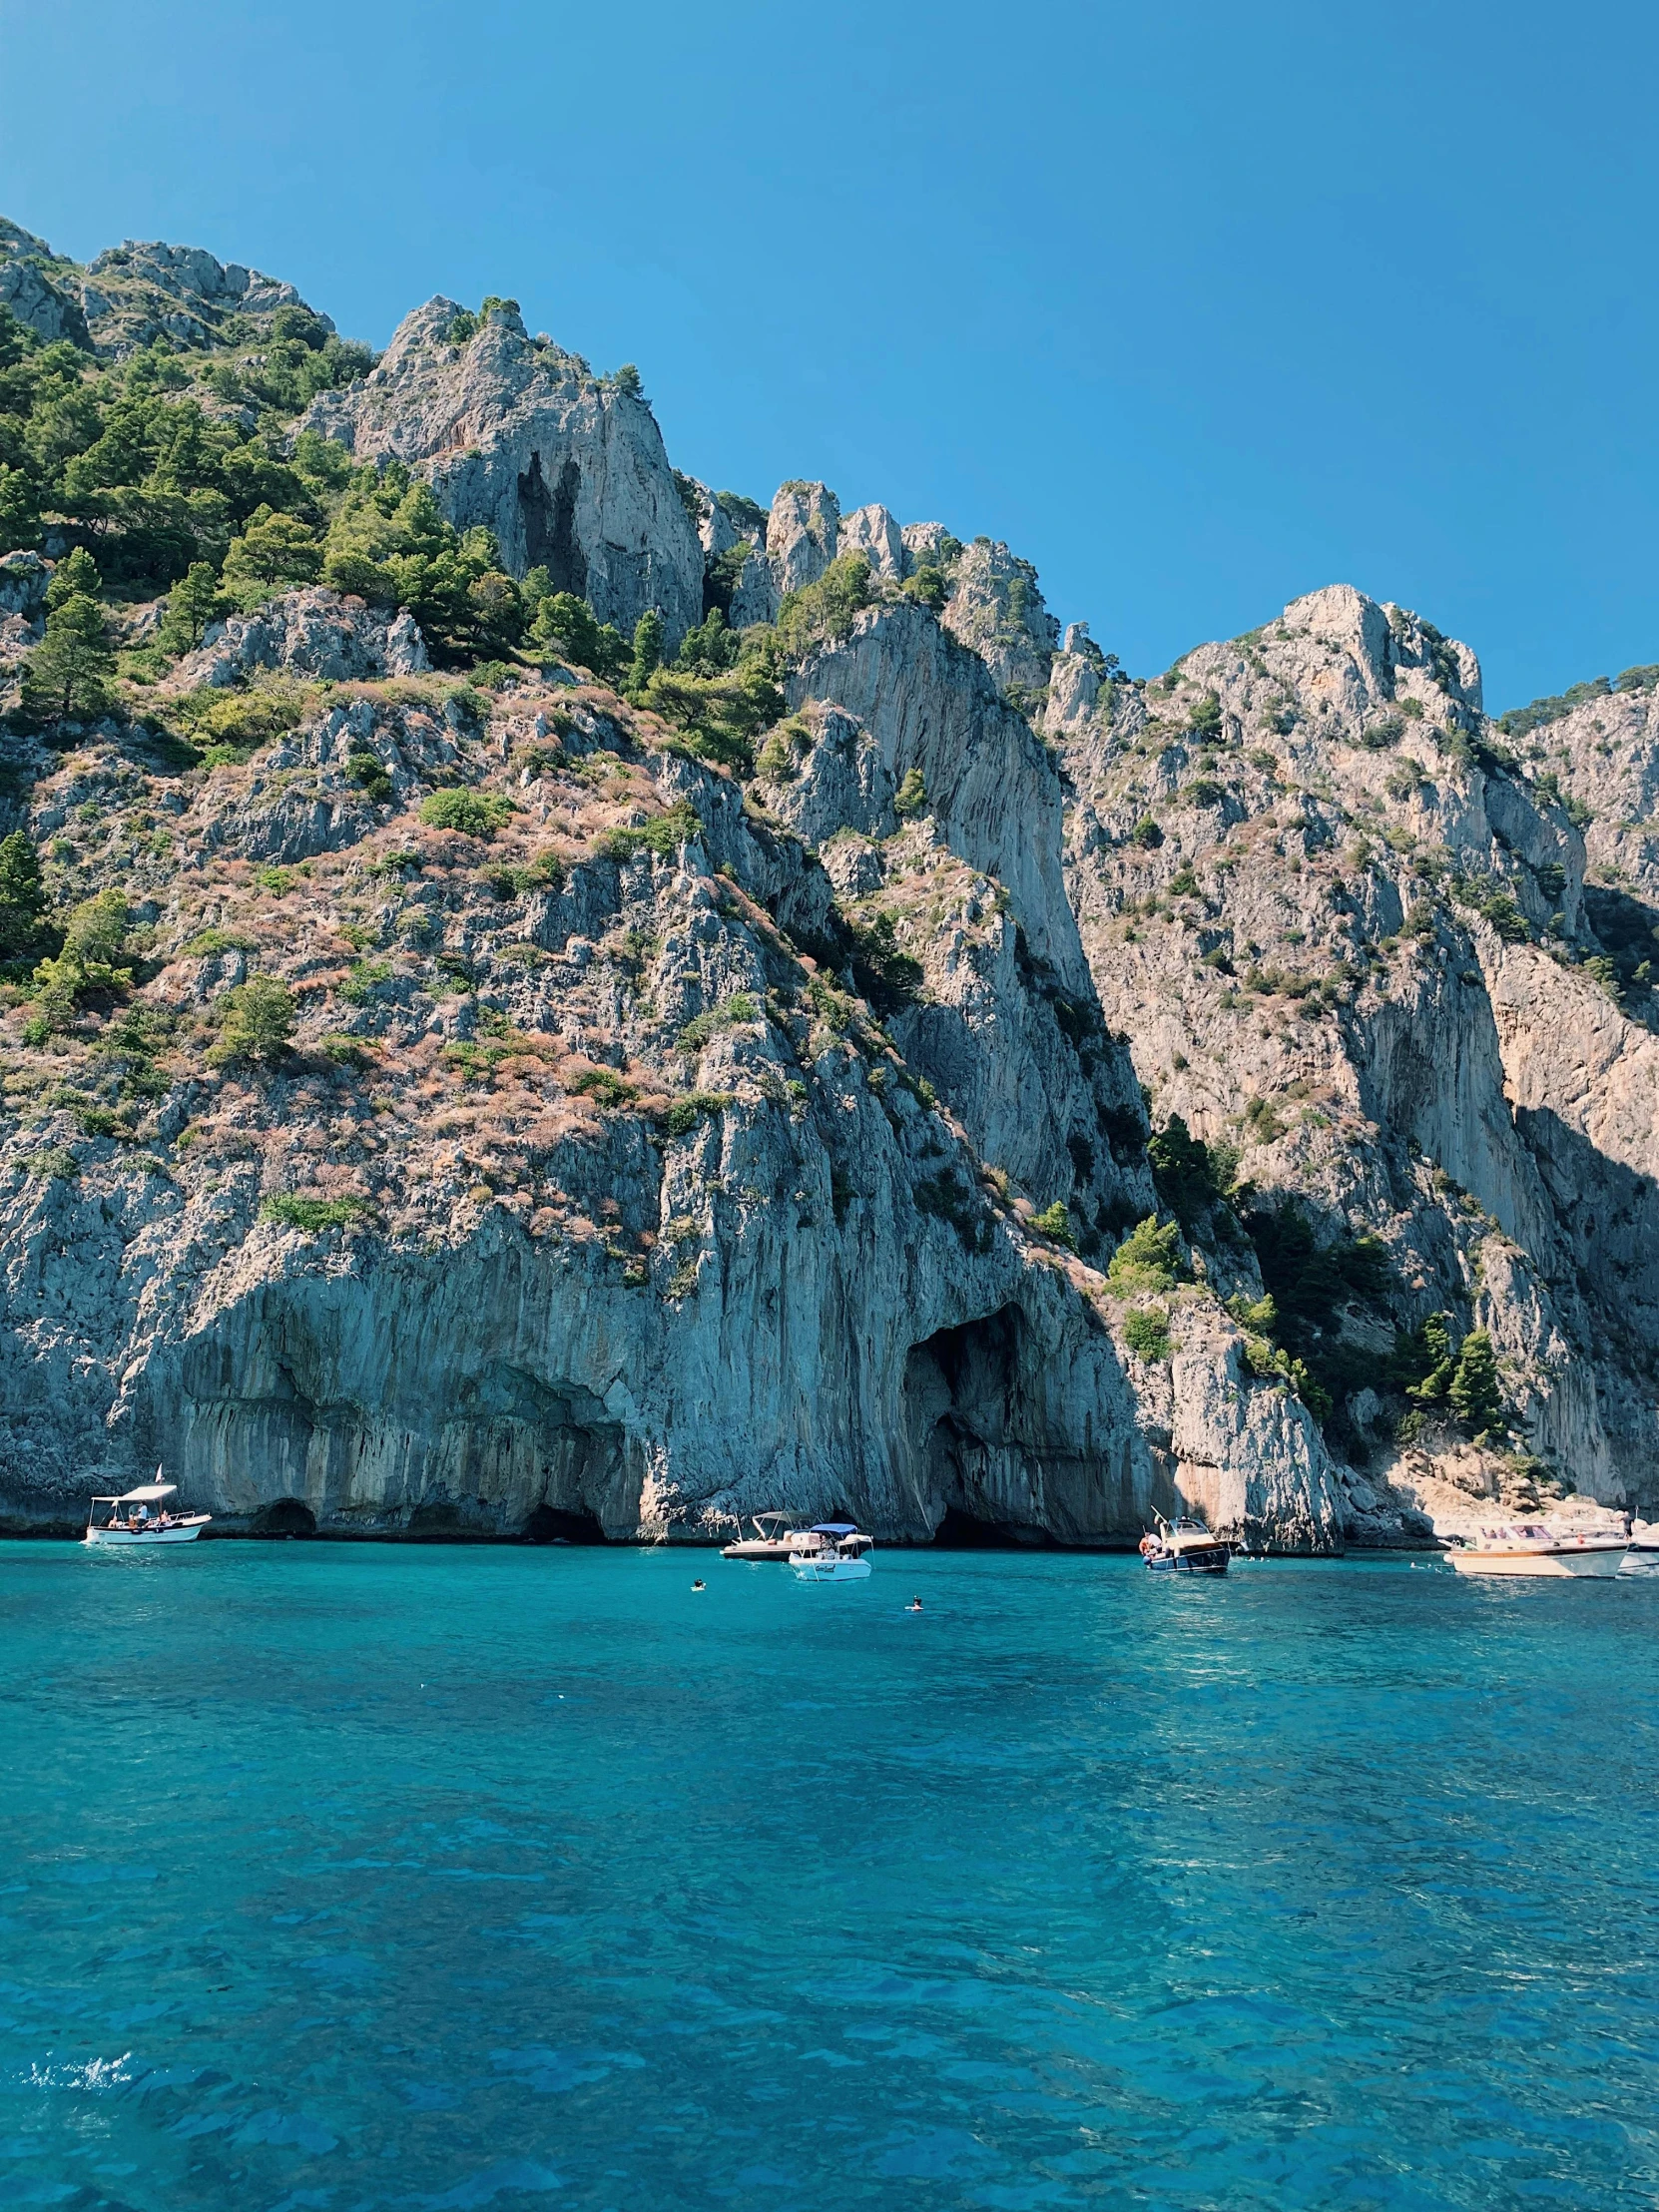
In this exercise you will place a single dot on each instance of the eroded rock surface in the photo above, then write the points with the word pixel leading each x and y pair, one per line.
pixel 568 470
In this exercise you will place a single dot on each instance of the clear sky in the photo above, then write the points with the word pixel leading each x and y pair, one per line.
pixel 1198 306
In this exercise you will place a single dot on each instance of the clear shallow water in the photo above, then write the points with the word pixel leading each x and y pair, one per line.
pixel 344 1877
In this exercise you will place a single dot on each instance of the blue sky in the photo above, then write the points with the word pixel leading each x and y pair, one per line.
pixel 1199 306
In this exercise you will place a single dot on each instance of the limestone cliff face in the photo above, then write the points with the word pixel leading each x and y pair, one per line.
pixel 642 1221
pixel 567 471
pixel 664 1144
pixel 1348 933
pixel 40 287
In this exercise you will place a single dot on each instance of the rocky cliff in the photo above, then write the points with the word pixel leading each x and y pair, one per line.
pixel 878 1060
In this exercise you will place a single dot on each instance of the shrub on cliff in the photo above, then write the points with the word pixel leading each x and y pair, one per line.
pixel 912 796
pixel 255 1023
pixel 1146 1332
pixel 75 576
pixel 740 1007
pixel 312 1213
pixel 474 813
pixel 823 613
pixel 1148 1261
pixel 719 717
pixel 273 551
pixel 710 649
pixel 648 650
pixel 95 937
pixel 1054 1222
pixel 663 835
pixel 229 725
pixel 1189 1174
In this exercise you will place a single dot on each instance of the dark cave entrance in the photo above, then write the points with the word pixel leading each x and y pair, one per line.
pixel 959 1531
pixel 549 520
pixel 966 1415
pixel 284 1516
pixel 550 1524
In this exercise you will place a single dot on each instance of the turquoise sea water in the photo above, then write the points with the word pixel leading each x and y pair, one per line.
pixel 343 1877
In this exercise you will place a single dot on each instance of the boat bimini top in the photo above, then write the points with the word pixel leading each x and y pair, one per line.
pixel 146 1495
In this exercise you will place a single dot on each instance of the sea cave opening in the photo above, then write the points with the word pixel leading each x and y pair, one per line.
pixel 284 1516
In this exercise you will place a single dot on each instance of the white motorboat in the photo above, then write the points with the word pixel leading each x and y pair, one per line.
pixel 130 1520
pixel 1532 1548
pixel 830 1551
pixel 773 1539
pixel 1185 1546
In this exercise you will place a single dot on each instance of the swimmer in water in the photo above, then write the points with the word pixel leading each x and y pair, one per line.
pixel 915 1605
pixel 697 1584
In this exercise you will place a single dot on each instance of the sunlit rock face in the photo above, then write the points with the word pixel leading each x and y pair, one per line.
pixel 664 1132
pixel 568 470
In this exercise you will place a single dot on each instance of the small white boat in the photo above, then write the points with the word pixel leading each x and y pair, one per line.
pixel 1531 1547
pixel 1185 1546
pixel 129 1520
pixel 773 1539
pixel 830 1551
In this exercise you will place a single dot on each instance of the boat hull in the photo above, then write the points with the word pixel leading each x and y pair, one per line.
pixel 146 1539
pixel 830 1570
pixel 756 1549
pixel 1598 1566
pixel 1211 1559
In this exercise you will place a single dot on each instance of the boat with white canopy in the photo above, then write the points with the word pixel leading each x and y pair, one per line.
pixel 773 1539
pixel 141 1517
pixel 830 1551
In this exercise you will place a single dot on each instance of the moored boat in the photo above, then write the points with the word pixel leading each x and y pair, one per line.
pixel 131 1522
pixel 830 1551
pixel 1184 1546
pixel 773 1539
pixel 1535 1549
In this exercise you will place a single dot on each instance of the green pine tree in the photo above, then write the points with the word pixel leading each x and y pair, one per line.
pixel 1475 1396
pixel 79 573
pixel 22 896
pixel 648 649
pixel 194 602
pixel 1436 1342
pixel 69 672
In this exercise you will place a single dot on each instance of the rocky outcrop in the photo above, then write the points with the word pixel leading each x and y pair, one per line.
pixel 1349 938
pixel 568 471
pixel 801 534
pixel 40 287
pixel 874 532
pixel 143 291
pixel 996 609
pixel 311 632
